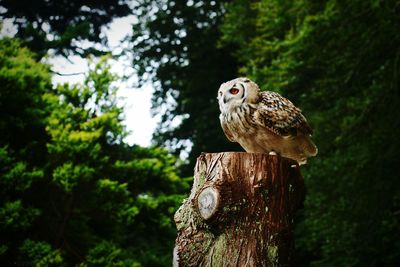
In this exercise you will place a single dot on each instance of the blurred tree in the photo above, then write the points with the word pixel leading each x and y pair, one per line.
pixel 338 61
pixel 71 191
pixel 175 45
pixel 63 25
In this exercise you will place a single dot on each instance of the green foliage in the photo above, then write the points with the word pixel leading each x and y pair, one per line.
pixel 39 254
pixel 338 61
pixel 14 217
pixel 22 84
pixel 58 25
pixel 175 44
pixel 108 254
pixel 16 174
pixel 72 192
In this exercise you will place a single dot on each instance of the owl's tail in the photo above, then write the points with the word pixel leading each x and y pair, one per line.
pixel 302 148
pixel 307 145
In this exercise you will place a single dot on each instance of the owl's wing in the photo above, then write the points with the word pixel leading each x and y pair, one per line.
pixel 227 132
pixel 280 116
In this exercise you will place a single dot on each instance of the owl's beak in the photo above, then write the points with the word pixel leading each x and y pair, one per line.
pixel 225 100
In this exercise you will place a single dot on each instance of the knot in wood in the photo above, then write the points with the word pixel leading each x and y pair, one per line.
pixel 208 202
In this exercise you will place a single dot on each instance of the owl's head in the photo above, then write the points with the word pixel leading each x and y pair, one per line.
pixel 234 93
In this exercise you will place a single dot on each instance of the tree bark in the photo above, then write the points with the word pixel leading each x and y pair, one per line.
pixel 240 211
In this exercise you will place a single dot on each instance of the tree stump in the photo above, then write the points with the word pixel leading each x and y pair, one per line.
pixel 240 211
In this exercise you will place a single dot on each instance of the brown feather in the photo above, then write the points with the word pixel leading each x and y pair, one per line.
pixel 227 132
pixel 280 116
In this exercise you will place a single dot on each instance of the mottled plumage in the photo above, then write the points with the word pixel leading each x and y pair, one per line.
pixel 264 121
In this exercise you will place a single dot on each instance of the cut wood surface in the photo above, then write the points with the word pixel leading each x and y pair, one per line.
pixel 239 212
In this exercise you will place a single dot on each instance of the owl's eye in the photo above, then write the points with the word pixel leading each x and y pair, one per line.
pixel 234 91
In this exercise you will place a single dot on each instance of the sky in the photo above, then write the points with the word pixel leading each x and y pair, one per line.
pixel 136 101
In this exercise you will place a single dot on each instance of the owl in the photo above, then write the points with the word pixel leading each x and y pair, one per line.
pixel 264 122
